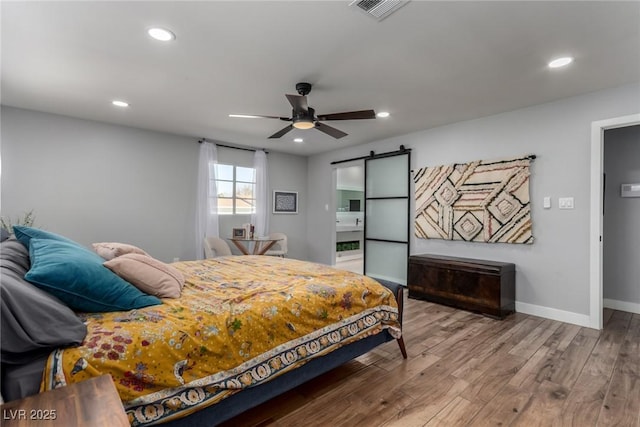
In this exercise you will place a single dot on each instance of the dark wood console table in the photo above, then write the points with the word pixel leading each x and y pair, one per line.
pixel 481 286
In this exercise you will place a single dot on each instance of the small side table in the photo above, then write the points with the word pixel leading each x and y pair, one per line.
pixel 91 403
pixel 260 244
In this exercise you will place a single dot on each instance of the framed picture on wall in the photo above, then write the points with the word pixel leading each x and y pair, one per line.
pixel 285 202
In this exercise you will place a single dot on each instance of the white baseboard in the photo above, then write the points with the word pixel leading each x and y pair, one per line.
pixel 554 314
pixel 630 307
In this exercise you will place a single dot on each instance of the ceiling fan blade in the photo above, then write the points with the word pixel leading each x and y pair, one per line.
pixel 298 102
pixel 258 116
pixel 331 131
pixel 281 132
pixel 350 115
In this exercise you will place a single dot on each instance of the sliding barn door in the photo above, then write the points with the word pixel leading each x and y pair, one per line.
pixel 386 226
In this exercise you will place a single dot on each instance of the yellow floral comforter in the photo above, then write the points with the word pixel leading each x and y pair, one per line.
pixel 240 321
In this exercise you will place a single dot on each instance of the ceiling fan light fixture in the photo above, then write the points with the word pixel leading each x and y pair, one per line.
pixel 304 117
pixel 304 124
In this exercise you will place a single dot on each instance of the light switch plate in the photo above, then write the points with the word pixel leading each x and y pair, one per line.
pixel 546 202
pixel 565 202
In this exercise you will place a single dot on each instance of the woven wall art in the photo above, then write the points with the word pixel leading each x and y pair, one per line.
pixel 481 201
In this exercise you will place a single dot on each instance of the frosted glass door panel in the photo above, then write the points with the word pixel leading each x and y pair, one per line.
pixel 387 219
pixel 386 260
pixel 388 177
pixel 386 243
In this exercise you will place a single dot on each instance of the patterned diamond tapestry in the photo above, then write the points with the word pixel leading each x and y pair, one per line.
pixel 481 201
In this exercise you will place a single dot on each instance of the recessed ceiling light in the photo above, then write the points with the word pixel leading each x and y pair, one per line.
pixel 561 62
pixel 244 116
pixel 161 34
pixel 382 114
pixel 298 140
pixel 120 103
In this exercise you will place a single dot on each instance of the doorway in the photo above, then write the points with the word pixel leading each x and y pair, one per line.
pixel 349 212
pixel 598 129
pixel 620 231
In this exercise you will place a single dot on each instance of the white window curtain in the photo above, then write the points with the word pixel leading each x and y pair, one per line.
pixel 207 197
pixel 260 219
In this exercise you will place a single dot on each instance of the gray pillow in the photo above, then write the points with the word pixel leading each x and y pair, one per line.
pixel 14 256
pixel 4 234
pixel 33 322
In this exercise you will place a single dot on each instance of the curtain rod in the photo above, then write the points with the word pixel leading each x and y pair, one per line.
pixel 200 141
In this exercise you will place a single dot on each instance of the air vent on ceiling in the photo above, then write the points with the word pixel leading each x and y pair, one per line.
pixel 379 9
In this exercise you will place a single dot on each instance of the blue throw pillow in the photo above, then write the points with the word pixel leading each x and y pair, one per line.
pixel 25 234
pixel 77 277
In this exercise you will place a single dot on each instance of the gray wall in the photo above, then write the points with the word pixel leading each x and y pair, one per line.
pixel 621 241
pixel 553 273
pixel 289 173
pixel 96 182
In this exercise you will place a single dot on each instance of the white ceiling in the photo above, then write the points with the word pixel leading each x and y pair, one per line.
pixel 429 64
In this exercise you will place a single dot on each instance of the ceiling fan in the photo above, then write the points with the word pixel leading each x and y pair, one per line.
pixel 304 117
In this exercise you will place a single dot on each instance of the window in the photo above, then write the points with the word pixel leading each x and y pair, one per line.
pixel 236 186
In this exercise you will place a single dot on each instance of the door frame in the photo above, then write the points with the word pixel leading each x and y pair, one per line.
pixel 596 217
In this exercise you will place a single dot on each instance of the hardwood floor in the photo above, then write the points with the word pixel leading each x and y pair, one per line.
pixel 468 370
pixel 354 265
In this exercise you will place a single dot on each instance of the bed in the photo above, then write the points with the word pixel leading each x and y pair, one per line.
pixel 243 330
